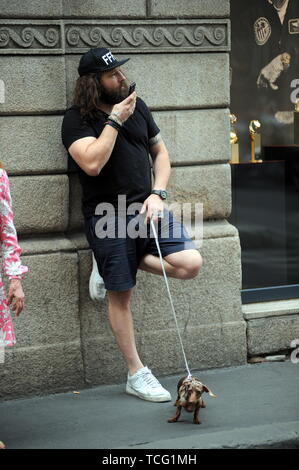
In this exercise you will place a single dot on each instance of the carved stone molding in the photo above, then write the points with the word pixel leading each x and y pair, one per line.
pixel 65 36
pixel 31 37
pixel 149 36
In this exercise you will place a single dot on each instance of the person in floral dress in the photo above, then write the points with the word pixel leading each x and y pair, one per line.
pixel 11 267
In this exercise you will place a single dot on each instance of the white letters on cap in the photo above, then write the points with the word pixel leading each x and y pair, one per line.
pixel 108 58
pixel 2 92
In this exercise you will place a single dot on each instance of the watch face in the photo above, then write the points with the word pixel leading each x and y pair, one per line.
pixel 163 194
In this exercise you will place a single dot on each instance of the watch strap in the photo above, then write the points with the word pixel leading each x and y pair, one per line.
pixel 160 192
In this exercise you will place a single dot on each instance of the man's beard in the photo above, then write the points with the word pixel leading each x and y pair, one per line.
pixel 112 97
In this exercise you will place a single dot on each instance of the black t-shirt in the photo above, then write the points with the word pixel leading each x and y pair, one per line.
pixel 128 169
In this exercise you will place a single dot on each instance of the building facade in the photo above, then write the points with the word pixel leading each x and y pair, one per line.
pixel 180 60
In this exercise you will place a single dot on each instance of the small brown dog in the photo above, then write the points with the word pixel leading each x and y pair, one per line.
pixel 189 397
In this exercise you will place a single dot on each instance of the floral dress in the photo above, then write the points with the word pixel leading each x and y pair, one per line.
pixel 11 264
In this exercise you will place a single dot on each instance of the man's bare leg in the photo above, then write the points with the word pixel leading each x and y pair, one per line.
pixel 121 322
pixel 144 385
pixel 184 264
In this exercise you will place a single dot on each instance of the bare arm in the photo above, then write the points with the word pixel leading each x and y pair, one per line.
pixel 161 168
pixel 92 154
pixel 161 163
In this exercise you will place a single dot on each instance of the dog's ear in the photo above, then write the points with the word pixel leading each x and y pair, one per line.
pixel 206 389
pixel 199 388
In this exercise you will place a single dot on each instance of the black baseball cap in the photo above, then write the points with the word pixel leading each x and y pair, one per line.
pixel 98 59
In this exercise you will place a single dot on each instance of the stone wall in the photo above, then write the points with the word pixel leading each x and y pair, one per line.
pixel 63 338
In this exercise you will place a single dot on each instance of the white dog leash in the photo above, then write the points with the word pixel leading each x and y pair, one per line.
pixel 170 298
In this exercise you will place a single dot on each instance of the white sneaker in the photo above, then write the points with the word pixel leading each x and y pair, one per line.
pixel 144 385
pixel 97 289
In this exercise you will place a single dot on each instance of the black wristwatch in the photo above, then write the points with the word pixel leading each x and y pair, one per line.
pixel 160 192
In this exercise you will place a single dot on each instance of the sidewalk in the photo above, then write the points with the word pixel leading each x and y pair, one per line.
pixel 257 406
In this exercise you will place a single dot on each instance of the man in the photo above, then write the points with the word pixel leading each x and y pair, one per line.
pixel 110 135
pixel 265 67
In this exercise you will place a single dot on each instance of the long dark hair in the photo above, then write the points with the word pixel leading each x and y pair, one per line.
pixel 87 96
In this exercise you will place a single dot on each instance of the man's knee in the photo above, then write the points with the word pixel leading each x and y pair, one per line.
pixel 193 265
pixel 119 298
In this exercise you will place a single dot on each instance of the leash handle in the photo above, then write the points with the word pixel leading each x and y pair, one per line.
pixel 170 298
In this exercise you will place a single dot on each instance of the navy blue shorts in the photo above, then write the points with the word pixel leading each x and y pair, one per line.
pixel 119 244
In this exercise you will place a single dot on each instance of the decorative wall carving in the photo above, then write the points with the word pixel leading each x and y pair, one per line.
pixel 25 38
pixel 59 37
pixel 30 37
pixel 149 37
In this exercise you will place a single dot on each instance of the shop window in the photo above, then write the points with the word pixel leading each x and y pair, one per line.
pixel 265 145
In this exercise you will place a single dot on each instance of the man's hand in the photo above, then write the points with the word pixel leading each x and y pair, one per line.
pixel 154 207
pixel 125 108
pixel 16 296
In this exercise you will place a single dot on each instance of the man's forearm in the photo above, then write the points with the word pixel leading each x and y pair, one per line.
pixel 99 152
pixel 161 169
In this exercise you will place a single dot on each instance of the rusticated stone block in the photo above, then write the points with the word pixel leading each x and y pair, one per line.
pixel 47 355
pixel 219 229
pixel 76 219
pixel 202 79
pixel 40 203
pixel 103 361
pixel 32 84
pixel 207 346
pixel 212 297
pixel 103 9
pixel 274 308
pixel 49 243
pixel 30 8
pixel 272 334
pixel 205 184
pixel 52 296
pixel 191 8
pixel 36 146
pixel 41 370
pixel 195 136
